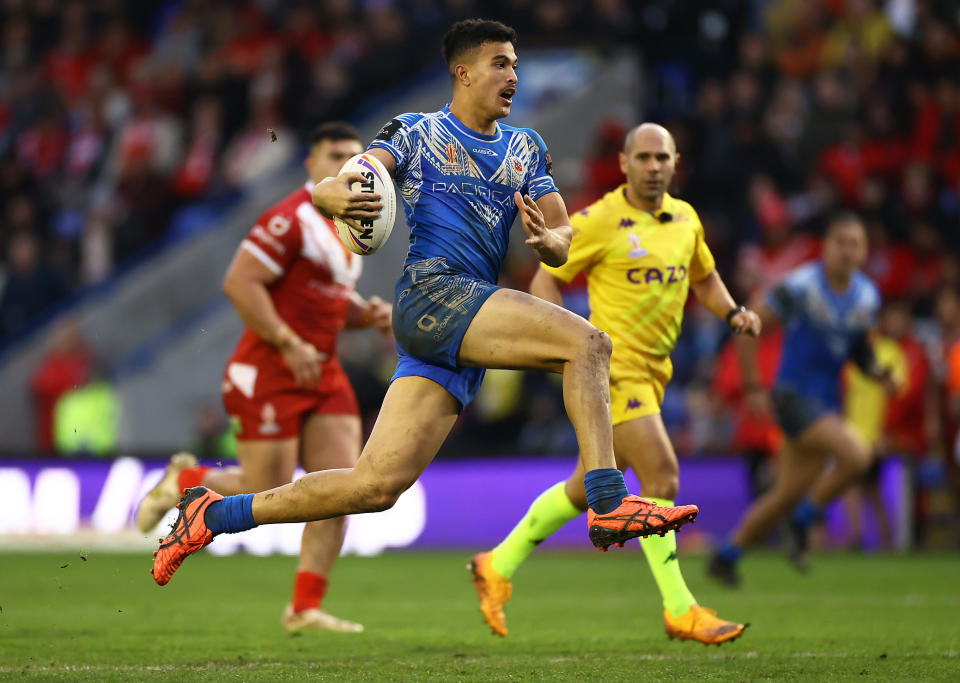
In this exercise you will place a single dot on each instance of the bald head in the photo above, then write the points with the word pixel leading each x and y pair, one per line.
pixel 652 133
pixel 649 160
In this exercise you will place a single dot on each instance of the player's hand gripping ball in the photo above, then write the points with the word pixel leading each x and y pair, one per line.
pixel 370 233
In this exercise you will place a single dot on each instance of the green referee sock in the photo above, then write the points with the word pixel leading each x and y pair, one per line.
pixel 661 552
pixel 550 511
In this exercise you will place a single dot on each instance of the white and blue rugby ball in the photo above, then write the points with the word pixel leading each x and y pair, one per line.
pixel 374 231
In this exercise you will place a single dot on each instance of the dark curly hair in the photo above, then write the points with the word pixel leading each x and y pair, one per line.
pixel 470 33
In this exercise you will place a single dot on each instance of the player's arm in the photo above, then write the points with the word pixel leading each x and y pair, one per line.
pixel 373 312
pixel 547 226
pixel 547 286
pixel 246 285
pixel 713 294
pixel 334 198
pixel 755 394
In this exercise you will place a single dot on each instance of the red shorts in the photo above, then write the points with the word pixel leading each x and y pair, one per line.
pixel 265 403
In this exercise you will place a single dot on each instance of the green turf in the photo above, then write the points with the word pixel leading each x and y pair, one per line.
pixel 573 617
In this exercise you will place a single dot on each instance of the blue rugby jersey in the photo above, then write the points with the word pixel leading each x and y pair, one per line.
pixel 457 186
pixel 821 327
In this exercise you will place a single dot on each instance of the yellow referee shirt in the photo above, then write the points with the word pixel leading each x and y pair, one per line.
pixel 639 268
pixel 865 400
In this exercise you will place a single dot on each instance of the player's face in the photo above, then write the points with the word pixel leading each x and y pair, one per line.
pixel 845 248
pixel 493 78
pixel 327 157
pixel 649 163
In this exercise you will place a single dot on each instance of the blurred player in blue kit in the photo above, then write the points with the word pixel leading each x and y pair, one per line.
pixel 829 309
pixel 463 177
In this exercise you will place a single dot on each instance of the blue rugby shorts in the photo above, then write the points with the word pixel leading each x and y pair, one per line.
pixel 432 309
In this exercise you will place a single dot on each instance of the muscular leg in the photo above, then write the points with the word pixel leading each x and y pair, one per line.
pixel 851 459
pixel 329 442
pixel 515 330
pixel 416 416
pixel 801 462
pixel 227 481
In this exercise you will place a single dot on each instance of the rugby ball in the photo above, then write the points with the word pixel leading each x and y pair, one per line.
pixel 373 232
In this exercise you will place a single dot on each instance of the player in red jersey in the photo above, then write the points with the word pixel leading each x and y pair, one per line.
pixel 292 282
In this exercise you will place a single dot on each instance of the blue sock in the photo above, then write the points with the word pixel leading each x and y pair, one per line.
pixel 806 513
pixel 730 552
pixel 605 489
pixel 230 515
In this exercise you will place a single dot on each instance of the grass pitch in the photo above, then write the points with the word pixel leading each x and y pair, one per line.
pixel 572 617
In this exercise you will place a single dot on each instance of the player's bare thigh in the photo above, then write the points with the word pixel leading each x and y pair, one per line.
pixel 515 330
pixel 831 435
pixel 329 442
pixel 643 445
pixel 267 463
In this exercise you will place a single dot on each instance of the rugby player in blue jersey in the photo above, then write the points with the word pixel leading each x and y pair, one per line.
pixel 463 178
pixel 828 309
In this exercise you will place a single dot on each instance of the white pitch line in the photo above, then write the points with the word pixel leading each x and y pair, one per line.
pixel 751 654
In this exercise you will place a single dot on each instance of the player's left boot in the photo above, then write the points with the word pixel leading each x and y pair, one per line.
pixel 317 619
pixel 493 589
pixel 187 535
pixel 636 517
pixel 166 494
pixel 703 625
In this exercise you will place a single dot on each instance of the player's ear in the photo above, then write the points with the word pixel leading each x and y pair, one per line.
pixel 623 163
pixel 462 74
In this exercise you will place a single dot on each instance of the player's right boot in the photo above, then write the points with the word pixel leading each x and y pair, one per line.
pixel 635 517
pixel 493 589
pixel 317 619
pixel 703 625
pixel 187 535
pixel 166 494
pixel 723 570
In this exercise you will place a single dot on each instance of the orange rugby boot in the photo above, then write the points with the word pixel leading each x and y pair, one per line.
pixel 703 625
pixel 635 517
pixel 493 589
pixel 187 535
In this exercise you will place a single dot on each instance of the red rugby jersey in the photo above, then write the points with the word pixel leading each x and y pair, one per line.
pixel 316 274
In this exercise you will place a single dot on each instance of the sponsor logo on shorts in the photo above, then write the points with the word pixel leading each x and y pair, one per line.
pixel 427 323
pixel 634 404
pixel 268 420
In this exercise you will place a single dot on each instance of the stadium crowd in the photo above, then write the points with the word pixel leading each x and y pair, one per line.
pixel 123 124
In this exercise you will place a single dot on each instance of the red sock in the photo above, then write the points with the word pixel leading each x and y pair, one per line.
pixel 191 477
pixel 308 591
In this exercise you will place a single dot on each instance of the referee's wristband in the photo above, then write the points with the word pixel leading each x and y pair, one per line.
pixel 733 312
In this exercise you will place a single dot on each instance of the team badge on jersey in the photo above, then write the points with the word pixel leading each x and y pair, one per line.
pixel 636 251
pixel 268 417
pixel 454 165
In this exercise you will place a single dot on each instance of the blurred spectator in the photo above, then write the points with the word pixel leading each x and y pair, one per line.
pixel 86 420
pixel 66 366
pixel 31 284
